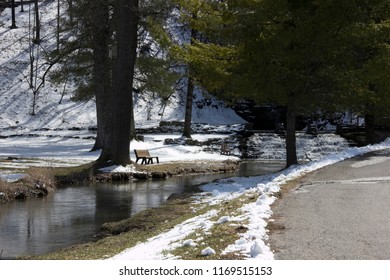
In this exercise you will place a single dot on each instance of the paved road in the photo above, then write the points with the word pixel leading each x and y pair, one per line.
pixel 339 212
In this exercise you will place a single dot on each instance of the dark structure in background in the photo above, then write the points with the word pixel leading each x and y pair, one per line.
pixel 265 117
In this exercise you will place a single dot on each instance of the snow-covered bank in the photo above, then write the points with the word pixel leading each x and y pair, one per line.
pixel 73 148
pixel 252 243
pixel 59 151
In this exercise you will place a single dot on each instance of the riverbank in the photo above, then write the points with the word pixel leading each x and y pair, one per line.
pixel 71 159
pixel 238 219
pixel 228 221
pixel 36 183
pixel 39 182
pixel 179 211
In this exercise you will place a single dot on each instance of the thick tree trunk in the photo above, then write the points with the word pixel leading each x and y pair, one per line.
pixel 99 16
pixel 370 129
pixel 118 148
pixel 188 113
pixel 291 150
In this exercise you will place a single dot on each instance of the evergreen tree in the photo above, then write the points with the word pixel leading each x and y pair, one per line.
pixel 363 67
pixel 185 20
pixel 280 51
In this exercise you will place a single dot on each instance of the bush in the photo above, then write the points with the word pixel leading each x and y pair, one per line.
pixel 41 179
pixel 5 190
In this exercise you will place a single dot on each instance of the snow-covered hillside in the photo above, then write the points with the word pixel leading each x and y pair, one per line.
pixel 16 96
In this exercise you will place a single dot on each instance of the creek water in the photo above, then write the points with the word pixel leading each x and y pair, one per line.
pixel 73 214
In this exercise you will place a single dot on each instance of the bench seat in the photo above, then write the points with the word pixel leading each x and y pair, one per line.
pixel 144 156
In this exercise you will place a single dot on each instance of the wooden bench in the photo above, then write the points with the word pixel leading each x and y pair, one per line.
pixel 144 156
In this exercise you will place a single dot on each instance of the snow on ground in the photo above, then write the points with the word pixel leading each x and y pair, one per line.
pixel 43 151
pixel 55 108
pixel 174 238
pixel 309 147
pixel 71 148
pixel 59 151
pixel 251 244
pixel 367 162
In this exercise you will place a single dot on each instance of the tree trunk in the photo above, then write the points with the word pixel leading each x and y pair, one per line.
pixel 99 18
pixel 188 113
pixel 118 149
pixel 133 133
pixel 13 25
pixel 58 26
pixel 70 11
pixel 37 38
pixel 21 6
pixel 190 95
pixel 291 150
pixel 370 128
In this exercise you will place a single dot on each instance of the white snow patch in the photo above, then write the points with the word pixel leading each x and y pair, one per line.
pixel 224 219
pixel 11 177
pixel 370 161
pixel 208 252
pixel 119 169
pixel 190 243
pixel 155 247
pixel 257 248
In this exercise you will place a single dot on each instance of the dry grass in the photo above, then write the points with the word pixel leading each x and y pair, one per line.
pixel 40 178
pixel 38 182
pixel 5 190
pixel 200 166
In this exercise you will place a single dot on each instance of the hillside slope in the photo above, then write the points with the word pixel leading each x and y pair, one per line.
pixel 16 96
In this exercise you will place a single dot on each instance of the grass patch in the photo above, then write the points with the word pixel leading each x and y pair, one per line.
pixel 220 236
pixel 129 232
pixel 187 167
pixel 151 222
pixel 67 175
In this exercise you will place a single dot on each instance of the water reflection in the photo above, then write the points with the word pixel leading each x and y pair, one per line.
pixel 74 214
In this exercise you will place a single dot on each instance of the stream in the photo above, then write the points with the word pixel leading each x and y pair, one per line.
pixel 74 214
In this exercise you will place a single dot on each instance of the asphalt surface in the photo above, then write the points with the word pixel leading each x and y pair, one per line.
pixel 338 212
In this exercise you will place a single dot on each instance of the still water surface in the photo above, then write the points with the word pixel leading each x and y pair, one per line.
pixel 74 214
